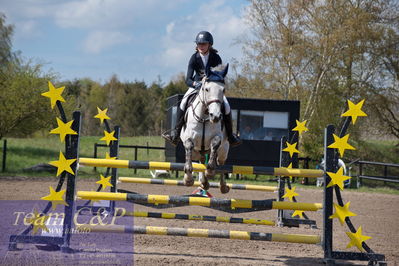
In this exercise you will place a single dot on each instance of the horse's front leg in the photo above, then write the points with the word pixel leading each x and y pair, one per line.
pixel 210 168
pixel 188 166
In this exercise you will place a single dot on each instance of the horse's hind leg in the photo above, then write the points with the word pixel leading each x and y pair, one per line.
pixel 224 188
pixel 210 168
pixel 222 156
pixel 203 180
pixel 188 166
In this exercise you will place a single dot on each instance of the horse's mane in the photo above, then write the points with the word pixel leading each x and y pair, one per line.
pixel 218 68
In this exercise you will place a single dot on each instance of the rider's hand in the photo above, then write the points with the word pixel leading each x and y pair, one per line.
pixel 197 85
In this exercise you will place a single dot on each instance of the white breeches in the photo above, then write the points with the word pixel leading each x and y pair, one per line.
pixel 192 90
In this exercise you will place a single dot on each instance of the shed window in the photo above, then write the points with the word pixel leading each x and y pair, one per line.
pixel 258 125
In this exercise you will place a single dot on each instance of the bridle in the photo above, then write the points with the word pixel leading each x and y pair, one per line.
pixel 205 102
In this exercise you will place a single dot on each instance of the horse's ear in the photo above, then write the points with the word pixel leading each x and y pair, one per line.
pixel 225 70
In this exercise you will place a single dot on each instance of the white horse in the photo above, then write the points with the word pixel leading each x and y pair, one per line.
pixel 203 132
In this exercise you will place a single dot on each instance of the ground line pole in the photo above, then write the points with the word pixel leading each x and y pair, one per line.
pixel 330 166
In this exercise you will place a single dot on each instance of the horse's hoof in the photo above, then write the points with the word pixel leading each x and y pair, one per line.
pixel 205 185
pixel 224 189
pixel 188 181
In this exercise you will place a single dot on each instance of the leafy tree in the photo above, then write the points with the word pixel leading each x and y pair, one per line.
pixel 22 108
pixel 323 53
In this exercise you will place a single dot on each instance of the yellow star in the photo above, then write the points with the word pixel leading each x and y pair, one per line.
pixel 341 212
pixel 291 148
pixel 338 178
pixel 300 127
pixel 107 156
pixel 38 221
pixel 298 213
pixel 55 198
pixel 63 129
pixel 104 182
pixel 290 193
pixel 357 239
pixel 102 115
pixel 54 94
pixel 108 137
pixel 341 144
pixel 63 164
pixel 355 110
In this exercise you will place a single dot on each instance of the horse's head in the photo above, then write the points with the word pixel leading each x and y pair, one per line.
pixel 212 92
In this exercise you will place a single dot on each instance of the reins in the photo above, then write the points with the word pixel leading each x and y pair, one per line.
pixel 204 102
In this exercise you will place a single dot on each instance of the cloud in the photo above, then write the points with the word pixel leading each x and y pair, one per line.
pixel 97 41
pixel 217 17
pixel 110 14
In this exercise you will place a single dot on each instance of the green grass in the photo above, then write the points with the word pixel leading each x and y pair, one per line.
pixel 23 153
pixel 26 152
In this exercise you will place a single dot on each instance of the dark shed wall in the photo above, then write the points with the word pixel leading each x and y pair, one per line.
pixel 251 152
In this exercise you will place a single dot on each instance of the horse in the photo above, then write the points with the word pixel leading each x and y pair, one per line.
pixel 203 132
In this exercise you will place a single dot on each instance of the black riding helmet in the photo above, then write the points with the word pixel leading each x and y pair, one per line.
pixel 204 37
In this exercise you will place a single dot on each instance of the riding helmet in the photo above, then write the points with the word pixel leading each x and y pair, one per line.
pixel 204 37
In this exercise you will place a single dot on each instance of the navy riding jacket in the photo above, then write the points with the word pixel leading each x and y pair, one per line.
pixel 196 69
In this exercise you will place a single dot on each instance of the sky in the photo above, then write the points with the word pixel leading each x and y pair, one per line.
pixel 139 40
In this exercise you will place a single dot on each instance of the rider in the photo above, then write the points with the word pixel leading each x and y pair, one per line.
pixel 200 63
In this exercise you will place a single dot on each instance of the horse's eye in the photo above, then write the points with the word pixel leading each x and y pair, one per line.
pixel 207 89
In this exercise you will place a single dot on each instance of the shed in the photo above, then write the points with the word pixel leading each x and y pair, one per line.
pixel 260 123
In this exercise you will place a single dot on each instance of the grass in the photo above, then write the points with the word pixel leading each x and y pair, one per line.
pixel 23 153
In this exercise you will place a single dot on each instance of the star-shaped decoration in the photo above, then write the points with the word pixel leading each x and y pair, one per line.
pixel 290 193
pixel 63 129
pixel 102 115
pixel 291 148
pixel 357 239
pixel 107 156
pixel 54 94
pixel 341 212
pixel 108 137
pixel 298 213
pixel 55 198
pixel 63 164
pixel 355 110
pixel 104 182
pixel 38 221
pixel 341 144
pixel 300 127
pixel 338 178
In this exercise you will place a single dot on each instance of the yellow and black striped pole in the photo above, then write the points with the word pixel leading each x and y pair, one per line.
pixel 208 233
pixel 199 201
pixel 235 169
pixel 155 181
pixel 209 218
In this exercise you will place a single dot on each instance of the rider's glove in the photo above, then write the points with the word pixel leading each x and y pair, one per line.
pixel 197 85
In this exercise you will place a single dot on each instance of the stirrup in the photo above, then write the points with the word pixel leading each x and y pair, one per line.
pixel 234 141
pixel 171 136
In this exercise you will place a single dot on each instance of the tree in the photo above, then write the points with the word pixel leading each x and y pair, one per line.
pixel 22 108
pixel 323 53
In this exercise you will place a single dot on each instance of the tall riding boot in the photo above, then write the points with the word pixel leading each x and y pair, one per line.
pixel 234 140
pixel 173 136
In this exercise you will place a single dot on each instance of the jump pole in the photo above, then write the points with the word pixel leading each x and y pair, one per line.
pixel 235 169
pixel 163 215
pixel 155 181
pixel 199 201
pixel 194 232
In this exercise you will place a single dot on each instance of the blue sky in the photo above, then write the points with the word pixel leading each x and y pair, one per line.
pixel 136 40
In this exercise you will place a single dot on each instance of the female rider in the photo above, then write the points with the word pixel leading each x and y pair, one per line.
pixel 200 63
